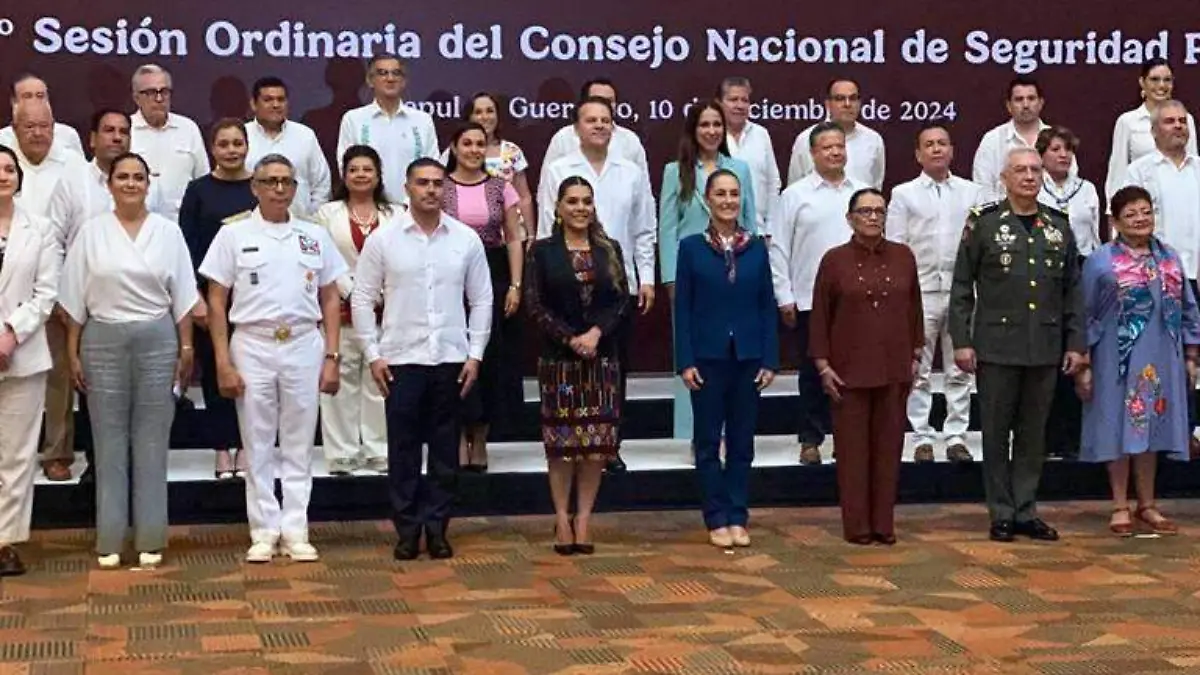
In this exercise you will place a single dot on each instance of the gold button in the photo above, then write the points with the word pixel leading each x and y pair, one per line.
pixel 1033 305
pixel 1031 240
pixel 1033 284
pixel 1004 319
pixel 1032 262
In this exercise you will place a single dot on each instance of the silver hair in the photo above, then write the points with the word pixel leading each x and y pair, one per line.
pixel 274 158
pixel 1156 116
pixel 1013 152
pixel 734 81
pixel 149 69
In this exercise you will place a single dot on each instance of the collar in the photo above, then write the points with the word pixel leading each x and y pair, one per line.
pixel 927 181
pixel 409 224
pixel 816 182
pixel 377 110
pixel 1010 131
pixel 139 121
pixel 873 249
pixel 52 157
pixel 97 173
pixel 747 131
pixel 277 230
pixel 1142 112
pixel 1159 158
pixel 255 124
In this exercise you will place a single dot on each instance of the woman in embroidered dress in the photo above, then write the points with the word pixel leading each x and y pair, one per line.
pixel 488 205
pixel 1143 330
pixel 577 294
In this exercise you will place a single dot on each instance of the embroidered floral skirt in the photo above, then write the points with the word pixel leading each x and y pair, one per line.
pixel 581 407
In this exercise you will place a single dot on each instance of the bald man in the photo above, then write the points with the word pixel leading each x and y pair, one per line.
pixel 30 87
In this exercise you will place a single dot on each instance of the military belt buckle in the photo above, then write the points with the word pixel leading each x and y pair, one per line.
pixel 282 333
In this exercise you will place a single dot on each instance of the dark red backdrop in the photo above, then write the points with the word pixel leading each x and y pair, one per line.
pixel 1086 97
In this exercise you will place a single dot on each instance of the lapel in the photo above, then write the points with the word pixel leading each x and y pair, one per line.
pixel 20 236
pixel 339 231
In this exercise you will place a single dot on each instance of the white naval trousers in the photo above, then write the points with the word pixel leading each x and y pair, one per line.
pixel 282 381
pixel 958 384
pixel 353 423
pixel 22 401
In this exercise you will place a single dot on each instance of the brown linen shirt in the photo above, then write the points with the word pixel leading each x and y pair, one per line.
pixel 866 318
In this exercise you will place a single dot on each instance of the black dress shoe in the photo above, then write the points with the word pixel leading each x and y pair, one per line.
pixel 1002 530
pixel 438 547
pixel 406 550
pixel 1036 529
pixel 885 539
pixel 615 465
pixel 10 562
pixel 864 540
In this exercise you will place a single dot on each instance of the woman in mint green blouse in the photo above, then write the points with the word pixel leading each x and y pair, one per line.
pixel 683 212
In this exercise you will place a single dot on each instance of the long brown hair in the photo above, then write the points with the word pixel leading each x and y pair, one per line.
pixel 689 149
pixel 596 234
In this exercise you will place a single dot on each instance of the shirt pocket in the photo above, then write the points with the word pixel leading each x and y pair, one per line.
pixel 251 267
pixel 310 272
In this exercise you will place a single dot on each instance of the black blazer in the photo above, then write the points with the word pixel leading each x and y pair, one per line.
pixel 552 298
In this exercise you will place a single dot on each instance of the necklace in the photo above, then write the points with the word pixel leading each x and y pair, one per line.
pixel 364 224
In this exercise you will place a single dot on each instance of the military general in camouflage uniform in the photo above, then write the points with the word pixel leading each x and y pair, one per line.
pixel 1015 301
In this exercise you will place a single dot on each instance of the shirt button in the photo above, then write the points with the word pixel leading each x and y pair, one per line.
pixel 1032 261
pixel 1032 284
pixel 1004 319
pixel 1033 305
pixel 1031 240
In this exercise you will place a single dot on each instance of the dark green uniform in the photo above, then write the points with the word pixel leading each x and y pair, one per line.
pixel 1016 300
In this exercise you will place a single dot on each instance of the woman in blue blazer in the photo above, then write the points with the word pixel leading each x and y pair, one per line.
pixel 726 350
pixel 683 211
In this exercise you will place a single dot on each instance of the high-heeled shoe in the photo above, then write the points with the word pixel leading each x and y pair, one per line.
pixel 578 547
pixel 563 549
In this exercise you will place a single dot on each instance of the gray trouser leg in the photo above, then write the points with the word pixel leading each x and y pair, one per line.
pixel 999 393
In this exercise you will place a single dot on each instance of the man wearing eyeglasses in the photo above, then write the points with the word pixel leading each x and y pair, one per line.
pixel 399 133
pixel 169 142
pixel 282 272
pixel 864 147
pixel 1015 301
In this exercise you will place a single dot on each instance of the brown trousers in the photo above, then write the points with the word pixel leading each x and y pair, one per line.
pixel 868 432
pixel 59 443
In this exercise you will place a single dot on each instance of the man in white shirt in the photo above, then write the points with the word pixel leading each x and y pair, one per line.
pixel 624 205
pixel 1171 175
pixel 272 132
pixel 426 357
pixel 44 165
pixel 625 142
pixel 30 87
pixel 171 144
pixel 927 214
pixel 282 272
pixel 751 143
pixel 1024 105
pixel 810 219
pixel 398 132
pixel 865 154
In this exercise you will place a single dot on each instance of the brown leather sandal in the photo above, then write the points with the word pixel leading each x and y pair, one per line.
pixel 1161 525
pixel 1121 529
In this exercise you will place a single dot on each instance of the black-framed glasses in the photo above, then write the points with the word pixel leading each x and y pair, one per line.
pixel 385 72
pixel 276 183
pixel 868 211
pixel 161 92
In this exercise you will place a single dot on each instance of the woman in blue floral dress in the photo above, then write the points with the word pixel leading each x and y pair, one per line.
pixel 1143 330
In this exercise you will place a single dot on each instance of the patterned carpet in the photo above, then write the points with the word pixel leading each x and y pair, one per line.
pixel 654 599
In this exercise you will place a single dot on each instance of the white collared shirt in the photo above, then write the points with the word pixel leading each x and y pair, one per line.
pixel 866 158
pixel 992 153
pixel 176 154
pixel 756 149
pixel 335 216
pixel 625 144
pixel 65 137
pixel 423 280
pixel 624 207
pixel 1176 195
pixel 399 139
pixel 275 270
pixel 41 180
pixel 82 194
pixel 111 278
pixel 928 217
pixel 1079 200
pixel 1133 140
pixel 809 219
pixel 299 144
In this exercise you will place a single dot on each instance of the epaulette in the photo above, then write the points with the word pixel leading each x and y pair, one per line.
pixel 981 209
pixel 237 217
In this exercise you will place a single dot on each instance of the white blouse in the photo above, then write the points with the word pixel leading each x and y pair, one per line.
pixel 114 279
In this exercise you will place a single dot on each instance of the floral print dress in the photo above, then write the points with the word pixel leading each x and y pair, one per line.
pixel 1140 314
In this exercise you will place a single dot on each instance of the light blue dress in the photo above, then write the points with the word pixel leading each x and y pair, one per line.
pixel 678 221
pixel 1141 312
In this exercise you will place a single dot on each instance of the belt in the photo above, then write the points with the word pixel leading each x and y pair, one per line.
pixel 280 332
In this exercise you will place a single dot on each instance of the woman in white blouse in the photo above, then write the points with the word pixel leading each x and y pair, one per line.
pixel 1068 193
pixel 1131 135
pixel 29 263
pixel 128 288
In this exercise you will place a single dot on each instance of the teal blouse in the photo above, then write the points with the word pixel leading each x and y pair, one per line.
pixel 678 221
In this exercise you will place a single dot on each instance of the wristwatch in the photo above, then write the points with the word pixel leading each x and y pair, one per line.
pixel 333 356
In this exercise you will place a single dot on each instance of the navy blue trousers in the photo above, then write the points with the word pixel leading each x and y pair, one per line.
pixel 729 400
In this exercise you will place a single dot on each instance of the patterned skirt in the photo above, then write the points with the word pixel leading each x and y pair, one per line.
pixel 581 406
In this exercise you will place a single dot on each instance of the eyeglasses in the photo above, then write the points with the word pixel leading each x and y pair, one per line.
pixel 276 183
pixel 162 92
pixel 869 211
pixel 384 72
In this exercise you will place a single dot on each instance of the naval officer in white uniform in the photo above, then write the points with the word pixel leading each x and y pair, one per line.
pixel 283 273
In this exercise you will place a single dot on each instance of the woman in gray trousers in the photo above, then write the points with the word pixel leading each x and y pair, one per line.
pixel 128 289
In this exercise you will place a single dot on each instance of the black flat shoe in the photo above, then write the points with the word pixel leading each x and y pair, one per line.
pixel 583 549
pixel 1036 529
pixel 406 550
pixel 885 539
pixel 864 540
pixel 1002 530
pixel 10 562
pixel 615 465
pixel 438 547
